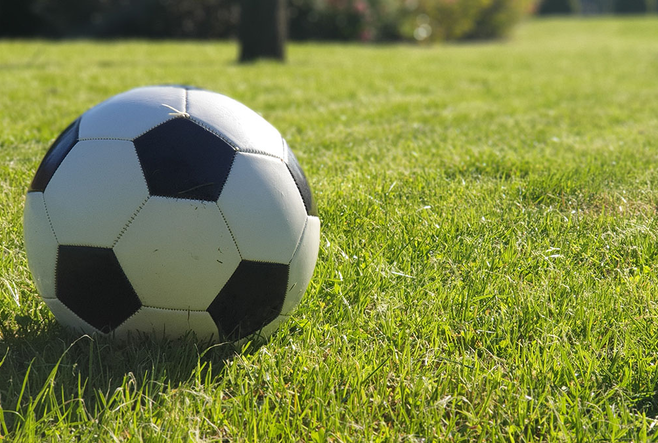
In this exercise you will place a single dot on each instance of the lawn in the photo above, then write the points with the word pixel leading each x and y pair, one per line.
pixel 488 265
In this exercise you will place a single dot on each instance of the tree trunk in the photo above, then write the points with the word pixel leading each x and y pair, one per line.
pixel 262 29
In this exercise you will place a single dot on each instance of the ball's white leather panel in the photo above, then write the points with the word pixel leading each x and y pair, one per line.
pixel 302 265
pixel 67 318
pixel 263 208
pixel 178 254
pixel 40 244
pixel 165 323
pixel 95 192
pixel 132 113
pixel 248 130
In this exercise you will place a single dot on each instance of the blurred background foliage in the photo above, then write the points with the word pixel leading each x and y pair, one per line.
pixel 137 18
pixel 347 20
pixel 596 6
pixel 633 6
pixel 558 7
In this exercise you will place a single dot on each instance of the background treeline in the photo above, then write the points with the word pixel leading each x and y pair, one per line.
pixel 369 20
pixel 597 6
pixel 365 20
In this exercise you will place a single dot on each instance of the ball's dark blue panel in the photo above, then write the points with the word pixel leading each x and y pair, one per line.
pixel 91 283
pixel 300 179
pixel 54 157
pixel 251 299
pixel 184 160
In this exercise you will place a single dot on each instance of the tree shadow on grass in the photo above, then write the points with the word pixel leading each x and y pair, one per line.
pixel 45 367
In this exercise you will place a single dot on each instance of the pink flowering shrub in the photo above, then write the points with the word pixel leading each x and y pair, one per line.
pixel 363 20
pixel 417 20
pixel 428 20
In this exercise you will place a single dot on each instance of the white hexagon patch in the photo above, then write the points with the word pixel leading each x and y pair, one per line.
pixel 302 265
pixel 168 323
pixel 177 254
pixel 263 208
pixel 95 192
pixel 68 318
pixel 40 244
pixel 247 129
pixel 132 113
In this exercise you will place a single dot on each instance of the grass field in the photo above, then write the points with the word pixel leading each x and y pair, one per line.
pixel 489 262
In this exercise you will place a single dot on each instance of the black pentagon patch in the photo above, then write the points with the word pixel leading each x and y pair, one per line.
pixel 91 283
pixel 300 179
pixel 54 157
pixel 181 159
pixel 251 299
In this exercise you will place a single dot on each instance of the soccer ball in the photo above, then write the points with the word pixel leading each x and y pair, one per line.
pixel 170 209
